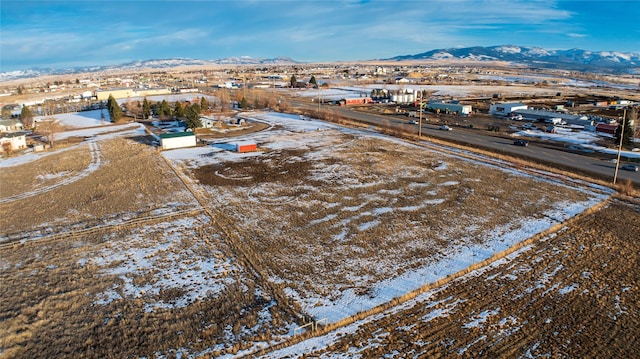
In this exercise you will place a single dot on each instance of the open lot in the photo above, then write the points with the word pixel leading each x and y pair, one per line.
pixel 573 294
pixel 230 253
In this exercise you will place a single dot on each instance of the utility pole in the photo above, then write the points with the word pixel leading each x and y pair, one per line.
pixel 244 85
pixel 420 121
pixel 624 120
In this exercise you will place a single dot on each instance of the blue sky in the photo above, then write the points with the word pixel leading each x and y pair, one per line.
pixel 62 34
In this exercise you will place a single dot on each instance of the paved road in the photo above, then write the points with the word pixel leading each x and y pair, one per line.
pixel 480 138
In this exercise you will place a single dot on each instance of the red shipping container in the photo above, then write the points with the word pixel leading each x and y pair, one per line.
pixel 246 147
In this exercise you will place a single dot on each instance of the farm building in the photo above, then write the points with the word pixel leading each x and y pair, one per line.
pixel 13 140
pixel 246 146
pixel 404 96
pixel 449 107
pixel 177 140
pixel 506 108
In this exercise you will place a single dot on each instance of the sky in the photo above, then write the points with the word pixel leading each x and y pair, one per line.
pixel 61 34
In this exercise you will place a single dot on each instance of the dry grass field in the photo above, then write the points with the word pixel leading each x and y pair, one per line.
pixel 127 180
pixel 333 222
pixel 572 295
pixel 156 286
pixel 128 293
pixel 323 221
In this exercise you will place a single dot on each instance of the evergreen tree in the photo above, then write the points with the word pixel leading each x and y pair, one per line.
pixel 244 104
pixel 313 82
pixel 631 117
pixel 146 109
pixel 195 108
pixel 162 109
pixel 193 116
pixel 178 110
pixel 204 104
pixel 115 111
pixel 26 117
pixel 294 81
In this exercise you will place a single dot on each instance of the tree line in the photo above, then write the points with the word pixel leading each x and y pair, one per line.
pixel 190 113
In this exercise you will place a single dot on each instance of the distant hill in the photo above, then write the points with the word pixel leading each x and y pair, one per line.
pixel 144 64
pixel 573 59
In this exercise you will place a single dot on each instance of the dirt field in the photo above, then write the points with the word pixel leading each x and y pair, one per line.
pixel 321 219
pixel 367 210
pixel 572 295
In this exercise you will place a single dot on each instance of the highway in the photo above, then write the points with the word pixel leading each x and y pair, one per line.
pixel 537 150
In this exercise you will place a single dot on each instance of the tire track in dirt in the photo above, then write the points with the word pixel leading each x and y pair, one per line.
pixel 95 163
pixel 14 240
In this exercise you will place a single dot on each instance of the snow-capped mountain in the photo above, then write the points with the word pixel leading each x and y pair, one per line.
pixel 573 59
pixel 144 64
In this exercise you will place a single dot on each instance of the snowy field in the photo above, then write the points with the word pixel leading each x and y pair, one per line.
pixel 82 119
pixel 343 220
pixel 95 133
pixel 359 202
pixel 337 93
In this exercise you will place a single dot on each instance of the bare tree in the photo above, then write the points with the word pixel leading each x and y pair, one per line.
pixel 49 128
pixel 223 97
pixel 7 148
pixel 26 117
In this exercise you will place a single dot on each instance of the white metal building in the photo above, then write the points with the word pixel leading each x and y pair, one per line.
pixel 170 141
pixel 506 108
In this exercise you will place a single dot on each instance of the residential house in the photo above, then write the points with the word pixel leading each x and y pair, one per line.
pixel 13 140
pixel 10 125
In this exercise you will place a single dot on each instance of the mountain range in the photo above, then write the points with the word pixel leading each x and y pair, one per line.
pixel 536 57
pixel 144 64
pixel 573 59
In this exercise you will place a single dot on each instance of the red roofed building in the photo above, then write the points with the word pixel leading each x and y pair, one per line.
pixel 606 128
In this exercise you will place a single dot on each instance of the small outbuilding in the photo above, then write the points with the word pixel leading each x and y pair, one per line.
pixel 246 147
pixel 609 129
pixel 208 122
pixel 170 141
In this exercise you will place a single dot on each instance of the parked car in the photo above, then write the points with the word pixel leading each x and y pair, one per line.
pixel 521 143
pixel 413 122
pixel 445 128
pixel 633 168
